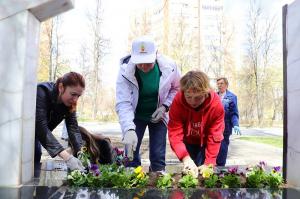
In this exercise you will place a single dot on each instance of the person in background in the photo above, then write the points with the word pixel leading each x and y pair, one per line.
pixel 56 101
pixel 146 85
pixel 229 101
pixel 196 122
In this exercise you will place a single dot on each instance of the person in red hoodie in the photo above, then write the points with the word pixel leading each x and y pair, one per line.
pixel 196 122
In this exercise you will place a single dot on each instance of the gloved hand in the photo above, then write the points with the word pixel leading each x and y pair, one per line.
pixel 130 138
pixel 237 130
pixel 74 164
pixel 189 167
pixel 158 114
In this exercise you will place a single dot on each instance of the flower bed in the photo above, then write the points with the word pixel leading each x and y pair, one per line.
pixel 118 176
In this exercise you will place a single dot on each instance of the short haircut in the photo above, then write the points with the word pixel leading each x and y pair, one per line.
pixel 223 78
pixel 196 80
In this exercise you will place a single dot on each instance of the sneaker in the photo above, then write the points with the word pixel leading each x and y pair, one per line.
pixel 160 172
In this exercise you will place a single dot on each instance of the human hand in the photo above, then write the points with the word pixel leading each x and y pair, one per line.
pixel 158 114
pixel 130 138
pixel 130 142
pixel 206 170
pixel 189 167
pixel 237 130
pixel 74 164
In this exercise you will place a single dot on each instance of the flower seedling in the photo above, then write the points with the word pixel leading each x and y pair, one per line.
pixel 211 181
pixel 164 181
pixel 188 181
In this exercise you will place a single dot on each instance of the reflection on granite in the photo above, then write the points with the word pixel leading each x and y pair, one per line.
pixel 45 177
pixel 42 192
pixel 51 184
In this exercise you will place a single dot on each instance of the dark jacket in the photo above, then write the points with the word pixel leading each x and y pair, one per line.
pixel 49 113
pixel 231 112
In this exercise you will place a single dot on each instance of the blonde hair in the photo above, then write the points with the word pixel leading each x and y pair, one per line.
pixel 196 80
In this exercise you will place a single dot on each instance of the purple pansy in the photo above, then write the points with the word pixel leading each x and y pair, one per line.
pixel 262 163
pixel 233 170
pixel 276 169
pixel 95 169
pixel 118 151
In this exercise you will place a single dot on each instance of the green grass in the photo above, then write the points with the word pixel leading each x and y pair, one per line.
pixel 274 141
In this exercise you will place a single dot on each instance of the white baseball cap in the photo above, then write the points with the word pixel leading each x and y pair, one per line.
pixel 143 50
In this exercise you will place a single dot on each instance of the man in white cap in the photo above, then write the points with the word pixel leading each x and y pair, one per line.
pixel 146 85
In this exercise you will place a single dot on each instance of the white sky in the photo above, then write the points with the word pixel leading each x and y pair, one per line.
pixel 116 27
pixel 237 11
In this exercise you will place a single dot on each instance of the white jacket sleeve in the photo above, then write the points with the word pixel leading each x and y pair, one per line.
pixel 175 79
pixel 124 107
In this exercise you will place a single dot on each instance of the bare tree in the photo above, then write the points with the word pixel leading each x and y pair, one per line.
pixel 260 40
pixel 51 59
pixel 140 25
pixel 84 65
pixel 181 45
pixel 221 59
pixel 44 53
pixel 99 48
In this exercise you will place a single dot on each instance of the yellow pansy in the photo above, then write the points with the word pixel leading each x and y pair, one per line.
pixel 138 170
pixel 140 176
pixel 206 171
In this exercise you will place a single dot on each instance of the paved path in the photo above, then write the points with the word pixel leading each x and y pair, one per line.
pixel 243 152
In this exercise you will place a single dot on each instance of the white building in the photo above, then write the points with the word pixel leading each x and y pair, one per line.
pixel 186 30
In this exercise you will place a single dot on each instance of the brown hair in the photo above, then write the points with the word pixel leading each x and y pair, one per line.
pixel 90 144
pixel 223 78
pixel 71 79
pixel 196 80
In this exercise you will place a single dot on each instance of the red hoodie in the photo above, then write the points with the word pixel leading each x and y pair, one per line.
pixel 202 126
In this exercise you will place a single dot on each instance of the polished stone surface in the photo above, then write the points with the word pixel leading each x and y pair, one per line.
pixel 52 184
pixel 19 36
pixel 293 93
pixel 54 192
pixel 19 42
pixel 41 9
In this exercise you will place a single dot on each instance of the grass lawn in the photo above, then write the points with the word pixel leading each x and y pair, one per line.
pixel 274 141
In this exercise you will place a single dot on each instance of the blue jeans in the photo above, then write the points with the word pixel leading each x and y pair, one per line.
pixel 196 152
pixel 222 156
pixel 157 144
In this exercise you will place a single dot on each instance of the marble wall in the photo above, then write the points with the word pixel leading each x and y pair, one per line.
pixel 19 49
pixel 41 9
pixel 18 57
pixel 293 93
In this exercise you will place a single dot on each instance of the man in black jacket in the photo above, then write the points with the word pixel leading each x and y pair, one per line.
pixel 56 102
